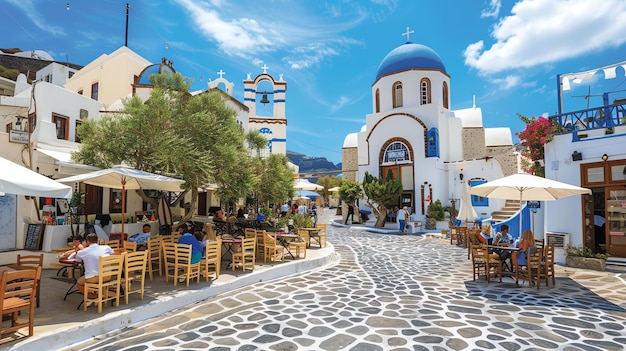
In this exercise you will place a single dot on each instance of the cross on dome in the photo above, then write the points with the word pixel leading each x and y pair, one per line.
pixel 221 73
pixel 408 34
pixel 265 68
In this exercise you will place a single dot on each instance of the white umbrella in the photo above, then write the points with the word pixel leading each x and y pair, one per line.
pixel 126 178
pixel 303 184
pixel 527 187
pixel 466 210
pixel 335 189
pixel 19 180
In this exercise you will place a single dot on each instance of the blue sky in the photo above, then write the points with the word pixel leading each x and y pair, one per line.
pixel 506 54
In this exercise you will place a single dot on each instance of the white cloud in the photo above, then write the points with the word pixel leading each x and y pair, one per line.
pixel 509 82
pixel 30 10
pixel 544 31
pixel 493 11
pixel 303 39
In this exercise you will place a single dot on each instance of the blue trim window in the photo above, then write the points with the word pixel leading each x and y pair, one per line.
pixel 478 201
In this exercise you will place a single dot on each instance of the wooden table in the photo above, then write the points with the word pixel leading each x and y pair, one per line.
pixel 228 245
pixel 506 269
pixel 284 239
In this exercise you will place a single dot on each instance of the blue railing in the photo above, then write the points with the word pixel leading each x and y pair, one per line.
pixel 607 116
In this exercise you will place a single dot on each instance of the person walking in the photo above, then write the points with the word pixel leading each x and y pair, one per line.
pixel 350 213
pixel 402 214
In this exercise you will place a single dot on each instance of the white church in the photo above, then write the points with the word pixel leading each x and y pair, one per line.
pixel 430 147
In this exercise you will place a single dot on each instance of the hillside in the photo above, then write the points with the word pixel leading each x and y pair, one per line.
pixel 311 163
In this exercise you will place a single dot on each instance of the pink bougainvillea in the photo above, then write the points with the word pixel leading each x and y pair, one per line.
pixel 539 131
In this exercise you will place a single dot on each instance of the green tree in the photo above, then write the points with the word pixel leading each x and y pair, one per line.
pixel 274 179
pixel 381 193
pixel 328 182
pixel 195 138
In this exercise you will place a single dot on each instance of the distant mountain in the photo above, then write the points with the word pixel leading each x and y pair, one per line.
pixel 311 163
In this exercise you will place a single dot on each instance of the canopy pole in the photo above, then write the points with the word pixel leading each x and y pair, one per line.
pixel 36 208
pixel 123 211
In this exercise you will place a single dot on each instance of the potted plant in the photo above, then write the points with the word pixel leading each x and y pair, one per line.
pixel 436 213
pixel 583 257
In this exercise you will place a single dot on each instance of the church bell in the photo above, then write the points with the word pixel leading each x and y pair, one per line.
pixel 264 99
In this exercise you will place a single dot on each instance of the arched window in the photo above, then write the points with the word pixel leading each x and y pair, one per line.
pixel 425 91
pixel 397 94
pixel 445 95
pixel 377 100
pixel 396 152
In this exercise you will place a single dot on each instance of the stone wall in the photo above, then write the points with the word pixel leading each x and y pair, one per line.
pixel 349 163
pixel 473 143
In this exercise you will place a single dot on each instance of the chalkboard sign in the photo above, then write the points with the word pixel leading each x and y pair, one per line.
pixel 34 236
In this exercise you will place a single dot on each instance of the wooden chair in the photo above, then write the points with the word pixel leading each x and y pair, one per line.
pixel 134 271
pixel 472 239
pixel 212 258
pixel 32 262
pixel 18 290
pixel 320 237
pixel 246 256
pixel 260 248
pixel 482 259
pixel 168 250
pixel 305 234
pixel 273 250
pixel 457 234
pixel 547 268
pixel 114 244
pixel 298 245
pixel 249 232
pixel 183 268
pixel 531 272
pixel 154 257
pixel 129 246
pixel 108 286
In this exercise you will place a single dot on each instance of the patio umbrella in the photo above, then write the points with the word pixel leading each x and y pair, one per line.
pixel 124 178
pixel 466 210
pixel 335 189
pixel 303 184
pixel 19 180
pixel 308 193
pixel 526 187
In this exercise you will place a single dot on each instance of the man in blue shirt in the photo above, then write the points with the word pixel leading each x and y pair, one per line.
pixel 196 246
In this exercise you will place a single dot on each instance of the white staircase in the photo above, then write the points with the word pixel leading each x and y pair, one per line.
pixel 506 212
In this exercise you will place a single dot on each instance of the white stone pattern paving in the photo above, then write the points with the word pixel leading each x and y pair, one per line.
pixel 393 292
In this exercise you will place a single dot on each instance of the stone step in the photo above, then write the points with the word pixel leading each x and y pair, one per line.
pixel 616 261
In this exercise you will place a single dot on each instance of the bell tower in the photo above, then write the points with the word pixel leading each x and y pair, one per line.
pixel 265 99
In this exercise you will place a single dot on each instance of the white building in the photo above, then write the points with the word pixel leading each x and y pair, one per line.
pixel 591 153
pixel 413 132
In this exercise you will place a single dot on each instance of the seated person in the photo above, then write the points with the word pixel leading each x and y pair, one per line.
pixel 485 234
pixel 528 240
pixel 89 257
pixel 71 254
pixel 196 247
pixel 142 237
pixel 240 213
pixel 202 238
pixel 503 237
pixel 219 215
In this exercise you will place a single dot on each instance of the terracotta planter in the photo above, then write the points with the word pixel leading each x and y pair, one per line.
pixel 596 264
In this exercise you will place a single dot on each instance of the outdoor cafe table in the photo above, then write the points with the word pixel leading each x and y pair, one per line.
pixel 228 246
pixel 312 233
pixel 507 269
pixel 284 238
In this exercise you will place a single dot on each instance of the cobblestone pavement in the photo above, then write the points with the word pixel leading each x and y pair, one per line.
pixel 393 292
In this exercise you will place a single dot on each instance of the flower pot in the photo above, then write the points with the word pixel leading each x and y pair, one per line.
pixel 596 264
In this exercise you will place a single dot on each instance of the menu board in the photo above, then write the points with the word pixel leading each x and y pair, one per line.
pixel 34 236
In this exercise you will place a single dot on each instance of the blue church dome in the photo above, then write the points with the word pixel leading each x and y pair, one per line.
pixel 408 56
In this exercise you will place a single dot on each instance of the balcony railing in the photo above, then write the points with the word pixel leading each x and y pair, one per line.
pixel 607 116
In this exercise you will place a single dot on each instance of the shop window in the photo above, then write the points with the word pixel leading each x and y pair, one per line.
pixel 61 123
